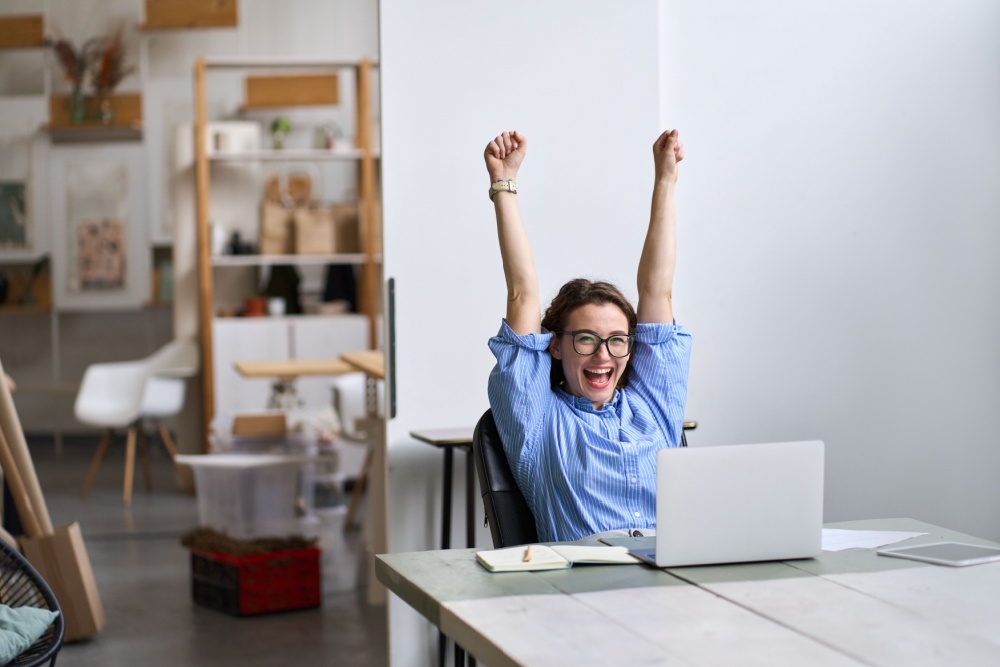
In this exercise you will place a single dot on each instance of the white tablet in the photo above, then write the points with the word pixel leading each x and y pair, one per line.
pixel 946 553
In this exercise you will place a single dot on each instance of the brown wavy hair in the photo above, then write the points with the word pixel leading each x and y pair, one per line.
pixel 576 294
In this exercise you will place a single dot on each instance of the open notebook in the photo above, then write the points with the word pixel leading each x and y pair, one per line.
pixel 551 557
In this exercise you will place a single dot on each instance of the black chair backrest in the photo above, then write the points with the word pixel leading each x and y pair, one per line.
pixel 511 522
pixel 21 585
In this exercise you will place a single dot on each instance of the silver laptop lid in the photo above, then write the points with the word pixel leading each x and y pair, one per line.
pixel 739 503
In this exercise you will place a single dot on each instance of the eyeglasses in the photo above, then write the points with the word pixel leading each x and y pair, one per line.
pixel 586 343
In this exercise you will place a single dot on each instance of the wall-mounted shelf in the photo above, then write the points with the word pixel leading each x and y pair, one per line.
pixel 92 132
pixel 126 109
pixel 183 14
pixel 23 31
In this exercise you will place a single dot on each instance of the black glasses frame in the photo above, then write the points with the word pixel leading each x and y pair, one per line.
pixel 600 341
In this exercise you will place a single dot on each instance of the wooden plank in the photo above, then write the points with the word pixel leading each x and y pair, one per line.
pixel 369 362
pixel 166 14
pixel 293 368
pixel 126 107
pixel 368 289
pixel 880 631
pixel 290 90
pixel 203 246
pixel 22 31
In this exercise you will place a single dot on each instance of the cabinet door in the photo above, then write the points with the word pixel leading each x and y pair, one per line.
pixel 325 337
pixel 245 339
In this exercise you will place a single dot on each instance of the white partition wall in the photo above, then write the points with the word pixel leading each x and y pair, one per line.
pixel 837 229
pixel 838 241
pixel 580 80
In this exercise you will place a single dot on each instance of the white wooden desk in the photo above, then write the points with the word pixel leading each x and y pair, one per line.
pixel 843 608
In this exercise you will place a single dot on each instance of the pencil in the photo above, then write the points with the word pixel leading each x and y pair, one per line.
pixel 527 554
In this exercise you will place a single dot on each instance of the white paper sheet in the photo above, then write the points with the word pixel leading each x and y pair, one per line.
pixel 838 539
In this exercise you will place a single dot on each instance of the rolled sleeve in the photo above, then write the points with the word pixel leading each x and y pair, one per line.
pixel 519 392
pixel 660 367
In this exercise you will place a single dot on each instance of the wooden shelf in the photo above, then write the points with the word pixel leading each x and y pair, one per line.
pixel 182 14
pixel 288 155
pixel 22 31
pixel 92 132
pixel 266 63
pixel 297 260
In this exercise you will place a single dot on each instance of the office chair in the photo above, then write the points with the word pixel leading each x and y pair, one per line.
pixel 22 585
pixel 511 521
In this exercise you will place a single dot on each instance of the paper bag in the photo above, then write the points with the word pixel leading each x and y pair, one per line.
pixel 314 230
pixel 327 228
pixel 276 237
pixel 61 559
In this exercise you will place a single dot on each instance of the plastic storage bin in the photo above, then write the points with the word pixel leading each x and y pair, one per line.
pixel 248 496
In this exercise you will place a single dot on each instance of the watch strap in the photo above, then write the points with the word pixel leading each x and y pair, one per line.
pixel 503 186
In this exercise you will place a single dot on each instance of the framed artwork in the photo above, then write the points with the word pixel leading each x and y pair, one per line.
pixel 100 254
pixel 97 208
pixel 13 216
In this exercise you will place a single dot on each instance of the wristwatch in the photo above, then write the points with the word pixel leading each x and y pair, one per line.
pixel 503 186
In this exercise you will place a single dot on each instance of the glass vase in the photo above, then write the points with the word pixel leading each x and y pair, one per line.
pixel 77 106
pixel 107 112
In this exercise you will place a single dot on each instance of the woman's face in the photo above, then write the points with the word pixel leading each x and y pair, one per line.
pixel 593 376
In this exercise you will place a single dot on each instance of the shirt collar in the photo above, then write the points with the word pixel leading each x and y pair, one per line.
pixel 585 405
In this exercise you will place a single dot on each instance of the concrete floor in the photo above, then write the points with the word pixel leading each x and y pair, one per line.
pixel 143 575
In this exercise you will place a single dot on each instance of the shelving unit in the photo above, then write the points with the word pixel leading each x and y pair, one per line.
pixel 363 154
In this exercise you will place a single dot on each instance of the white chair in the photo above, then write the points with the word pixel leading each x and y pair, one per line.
pixel 120 395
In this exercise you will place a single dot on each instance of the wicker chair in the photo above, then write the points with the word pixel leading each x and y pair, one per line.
pixel 21 585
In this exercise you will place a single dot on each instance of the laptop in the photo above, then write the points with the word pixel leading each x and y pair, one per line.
pixel 735 504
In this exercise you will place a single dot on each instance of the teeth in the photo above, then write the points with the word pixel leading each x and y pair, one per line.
pixel 599 371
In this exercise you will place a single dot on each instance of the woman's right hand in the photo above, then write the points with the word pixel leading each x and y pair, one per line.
pixel 504 155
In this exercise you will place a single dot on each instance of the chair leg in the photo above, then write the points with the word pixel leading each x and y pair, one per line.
pixel 147 472
pixel 168 442
pixel 95 463
pixel 129 467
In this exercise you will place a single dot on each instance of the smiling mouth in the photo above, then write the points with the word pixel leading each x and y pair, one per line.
pixel 598 378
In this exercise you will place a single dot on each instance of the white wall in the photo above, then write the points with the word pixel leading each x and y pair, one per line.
pixel 838 241
pixel 581 85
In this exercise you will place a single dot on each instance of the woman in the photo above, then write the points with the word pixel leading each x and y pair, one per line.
pixel 585 396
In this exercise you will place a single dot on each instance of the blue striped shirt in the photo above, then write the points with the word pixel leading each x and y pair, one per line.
pixel 581 470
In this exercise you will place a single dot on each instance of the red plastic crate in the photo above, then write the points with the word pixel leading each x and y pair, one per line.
pixel 257 584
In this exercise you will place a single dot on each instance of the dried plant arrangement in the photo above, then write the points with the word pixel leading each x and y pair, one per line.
pixel 108 65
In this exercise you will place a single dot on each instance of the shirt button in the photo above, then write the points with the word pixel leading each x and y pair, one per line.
pixel 635 479
pixel 637 514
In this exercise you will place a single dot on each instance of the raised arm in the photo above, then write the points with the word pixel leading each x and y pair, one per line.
pixel 659 252
pixel 503 158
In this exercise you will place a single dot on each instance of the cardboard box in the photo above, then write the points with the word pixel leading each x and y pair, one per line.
pixel 261 423
pixel 61 559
